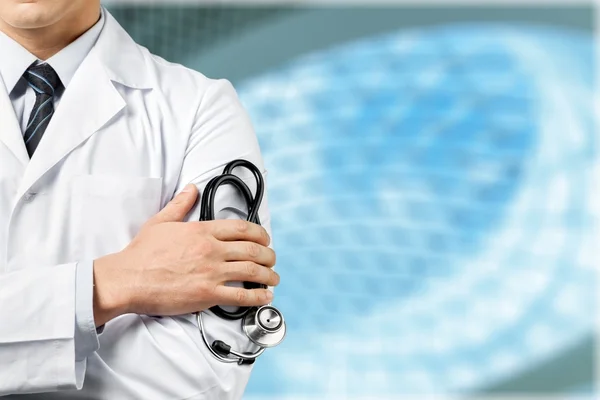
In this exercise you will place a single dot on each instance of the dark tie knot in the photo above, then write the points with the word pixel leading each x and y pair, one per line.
pixel 42 78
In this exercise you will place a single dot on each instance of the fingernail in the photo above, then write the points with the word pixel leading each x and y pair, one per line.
pixel 188 188
pixel 269 295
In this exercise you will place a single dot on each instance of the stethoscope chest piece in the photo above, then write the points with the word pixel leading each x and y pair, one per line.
pixel 265 326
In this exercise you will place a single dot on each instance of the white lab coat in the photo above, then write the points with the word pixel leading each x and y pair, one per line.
pixel 130 132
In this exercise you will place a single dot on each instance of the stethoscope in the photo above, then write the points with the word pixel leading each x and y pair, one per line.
pixel 265 325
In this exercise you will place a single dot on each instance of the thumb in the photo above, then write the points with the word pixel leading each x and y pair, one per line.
pixel 177 209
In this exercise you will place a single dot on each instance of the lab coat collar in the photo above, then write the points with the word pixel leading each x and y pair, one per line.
pixel 91 100
pixel 66 61
pixel 87 105
pixel 17 59
pixel 124 60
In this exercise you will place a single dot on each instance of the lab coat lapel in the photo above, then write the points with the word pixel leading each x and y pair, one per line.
pixel 90 101
pixel 87 104
pixel 10 131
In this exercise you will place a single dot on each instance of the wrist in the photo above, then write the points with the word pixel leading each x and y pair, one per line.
pixel 110 293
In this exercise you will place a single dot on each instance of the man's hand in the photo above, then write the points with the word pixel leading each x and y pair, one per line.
pixel 173 267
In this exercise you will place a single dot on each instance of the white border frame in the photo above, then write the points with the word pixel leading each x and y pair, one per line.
pixel 366 3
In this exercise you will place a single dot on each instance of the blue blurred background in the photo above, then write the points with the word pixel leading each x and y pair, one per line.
pixel 431 188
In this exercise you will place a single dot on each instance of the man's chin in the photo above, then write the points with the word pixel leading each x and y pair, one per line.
pixel 26 16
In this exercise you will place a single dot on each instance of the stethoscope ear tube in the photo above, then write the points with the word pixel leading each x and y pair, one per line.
pixel 264 326
pixel 207 213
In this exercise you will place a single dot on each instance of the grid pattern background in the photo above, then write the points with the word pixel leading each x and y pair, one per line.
pixel 174 31
pixel 431 193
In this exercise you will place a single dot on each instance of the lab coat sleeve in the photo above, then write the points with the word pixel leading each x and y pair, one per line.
pixel 43 345
pixel 86 333
pixel 175 362
pixel 223 133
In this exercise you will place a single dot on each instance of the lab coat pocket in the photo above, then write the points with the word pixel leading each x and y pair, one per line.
pixel 110 210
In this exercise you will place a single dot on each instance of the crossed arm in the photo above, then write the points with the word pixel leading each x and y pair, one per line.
pixel 171 268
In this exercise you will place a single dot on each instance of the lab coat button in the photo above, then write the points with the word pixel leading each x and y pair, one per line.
pixel 28 196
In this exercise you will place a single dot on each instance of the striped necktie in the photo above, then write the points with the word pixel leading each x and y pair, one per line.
pixel 44 81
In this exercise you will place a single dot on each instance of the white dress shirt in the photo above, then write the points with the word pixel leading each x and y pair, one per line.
pixel 16 59
pixel 13 64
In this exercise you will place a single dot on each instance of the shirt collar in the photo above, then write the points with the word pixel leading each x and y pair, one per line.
pixel 16 59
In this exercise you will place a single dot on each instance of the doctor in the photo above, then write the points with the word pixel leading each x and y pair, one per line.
pixel 103 147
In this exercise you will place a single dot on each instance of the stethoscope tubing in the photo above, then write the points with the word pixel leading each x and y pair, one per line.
pixel 239 357
pixel 206 214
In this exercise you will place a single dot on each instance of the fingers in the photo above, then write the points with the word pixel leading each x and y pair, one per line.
pixel 231 230
pixel 177 209
pixel 234 296
pixel 243 271
pixel 249 251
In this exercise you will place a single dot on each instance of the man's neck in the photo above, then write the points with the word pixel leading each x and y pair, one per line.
pixel 47 41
